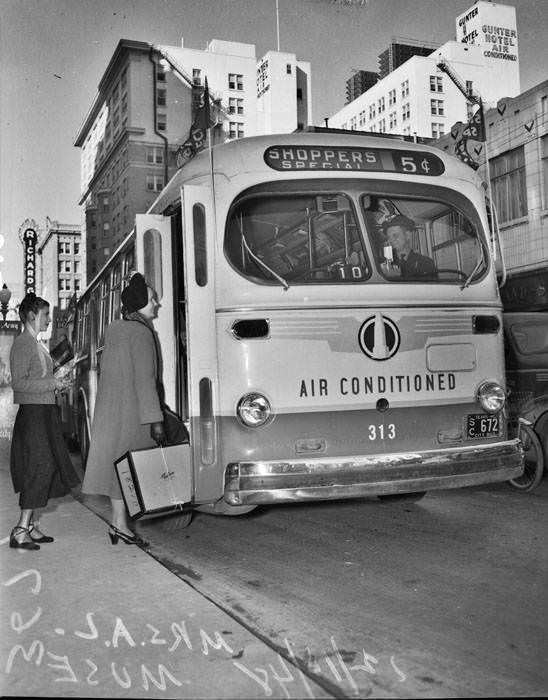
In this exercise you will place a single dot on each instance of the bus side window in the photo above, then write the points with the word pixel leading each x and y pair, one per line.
pixel 200 249
pixel 116 292
pixel 152 247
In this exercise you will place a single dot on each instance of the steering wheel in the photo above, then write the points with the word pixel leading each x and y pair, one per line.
pixel 459 273
pixel 321 268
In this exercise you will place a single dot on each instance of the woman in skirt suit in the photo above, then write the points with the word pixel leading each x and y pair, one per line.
pixel 128 413
pixel 40 465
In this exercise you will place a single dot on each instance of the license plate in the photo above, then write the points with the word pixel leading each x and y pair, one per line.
pixel 481 425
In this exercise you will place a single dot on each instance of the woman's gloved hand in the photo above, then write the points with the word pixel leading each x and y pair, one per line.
pixel 157 433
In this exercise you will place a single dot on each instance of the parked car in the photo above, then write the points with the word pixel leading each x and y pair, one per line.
pixel 526 349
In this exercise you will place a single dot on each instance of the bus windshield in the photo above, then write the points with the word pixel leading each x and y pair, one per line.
pixel 352 237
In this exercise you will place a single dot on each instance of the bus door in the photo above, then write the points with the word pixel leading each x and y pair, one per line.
pixel 198 230
pixel 154 261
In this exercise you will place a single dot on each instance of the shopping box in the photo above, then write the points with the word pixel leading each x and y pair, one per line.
pixel 156 479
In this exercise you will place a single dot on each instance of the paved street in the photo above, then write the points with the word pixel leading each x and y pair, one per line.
pixel 444 598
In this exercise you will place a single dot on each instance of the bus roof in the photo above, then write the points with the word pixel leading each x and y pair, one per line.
pixel 340 155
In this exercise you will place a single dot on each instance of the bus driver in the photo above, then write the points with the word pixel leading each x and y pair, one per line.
pixel 399 231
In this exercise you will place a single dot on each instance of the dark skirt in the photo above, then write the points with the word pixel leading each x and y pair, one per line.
pixel 41 467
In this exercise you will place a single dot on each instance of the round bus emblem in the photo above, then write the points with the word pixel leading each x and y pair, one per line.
pixel 379 337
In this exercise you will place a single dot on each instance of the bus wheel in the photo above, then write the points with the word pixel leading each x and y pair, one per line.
pixel 83 435
pixel 533 460
pixel 176 521
pixel 403 497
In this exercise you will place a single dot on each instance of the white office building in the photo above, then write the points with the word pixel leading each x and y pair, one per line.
pixel 283 93
pixel 268 96
pixel 419 99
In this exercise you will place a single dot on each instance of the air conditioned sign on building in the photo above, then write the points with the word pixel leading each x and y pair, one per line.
pixel 493 26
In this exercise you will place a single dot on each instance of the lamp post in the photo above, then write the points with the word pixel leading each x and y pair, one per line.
pixel 5 296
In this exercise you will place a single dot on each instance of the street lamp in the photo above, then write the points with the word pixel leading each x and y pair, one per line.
pixel 5 296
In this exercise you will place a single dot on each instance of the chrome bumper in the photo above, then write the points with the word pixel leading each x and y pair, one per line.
pixel 351 477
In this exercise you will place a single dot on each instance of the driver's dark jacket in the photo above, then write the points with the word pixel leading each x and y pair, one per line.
pixel 416 265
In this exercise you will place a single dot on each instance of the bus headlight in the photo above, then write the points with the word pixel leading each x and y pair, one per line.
pixel 491 396
pixel 254 409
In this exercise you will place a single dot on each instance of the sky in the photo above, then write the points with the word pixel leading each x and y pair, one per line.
pixel 53 54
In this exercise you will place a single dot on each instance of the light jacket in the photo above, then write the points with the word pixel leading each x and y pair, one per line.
pixel 31 368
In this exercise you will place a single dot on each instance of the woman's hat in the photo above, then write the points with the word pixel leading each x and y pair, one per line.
pixel 135 295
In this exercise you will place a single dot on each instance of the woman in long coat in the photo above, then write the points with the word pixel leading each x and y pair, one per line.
pixel 128 414
pixel 39 461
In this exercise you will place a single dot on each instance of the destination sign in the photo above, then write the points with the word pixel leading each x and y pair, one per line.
pixel 355 158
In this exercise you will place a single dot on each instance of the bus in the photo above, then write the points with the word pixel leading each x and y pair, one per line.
pixel 307 356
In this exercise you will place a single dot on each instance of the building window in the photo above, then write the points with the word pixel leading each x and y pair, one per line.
pixel 160 73
pixel 381 104
pixel 161 100
pixel 63 248
pixel 545 168
pixel 362 117
pixel 392 97
pixel 76 247
pixel 372 111
pixel 288 68
pixel 436 107
pixel 154 154
pixel 155 183
pixel 235 81
pixel 64 266
pixel 235 130
pixel 76 285
pixel 235 105
pixel 405 88
pixel 405 111
pixel 508 183
pixel 77 269
pixel 436 84
pixel 106 227
pixel 196 76
pixel 353 123
pixel 437 130
pixel 299 93
pixel 64 285
pixel 161 122
pixel 382 126
pixel 469 87
pixel 393 120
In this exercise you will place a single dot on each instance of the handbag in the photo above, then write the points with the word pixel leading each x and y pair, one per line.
pixel 174 428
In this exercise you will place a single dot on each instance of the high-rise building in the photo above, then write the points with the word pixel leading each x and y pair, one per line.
pixel 283 93
pixel 359 83
pixel 419 99
pixel 143 112
pixel 60 270
pixel 401 50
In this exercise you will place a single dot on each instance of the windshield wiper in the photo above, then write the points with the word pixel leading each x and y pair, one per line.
pixel 266 267
pixel 471 275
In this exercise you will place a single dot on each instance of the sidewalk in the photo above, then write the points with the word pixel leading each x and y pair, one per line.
pixel 83 618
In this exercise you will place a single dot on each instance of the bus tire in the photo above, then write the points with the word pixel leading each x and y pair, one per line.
pixel 177 521
pixel 403 497
pixel 533 460
pixel 83 434
pixel 541 429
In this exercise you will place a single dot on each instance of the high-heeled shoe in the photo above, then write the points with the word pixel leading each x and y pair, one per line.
pixel 116 534
pixel 42 539
pixel 25 544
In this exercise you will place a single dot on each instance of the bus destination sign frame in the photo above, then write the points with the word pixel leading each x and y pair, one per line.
pixel 355 158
